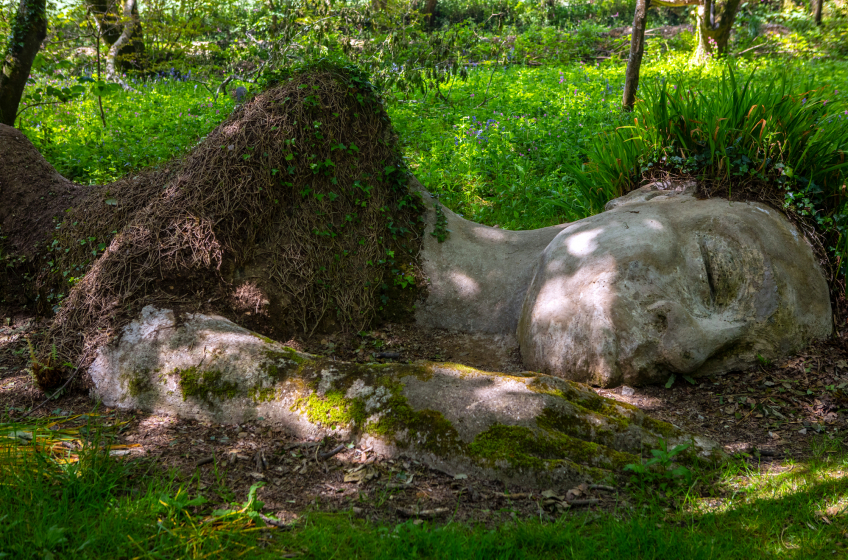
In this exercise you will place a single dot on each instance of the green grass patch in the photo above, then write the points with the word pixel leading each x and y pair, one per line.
pixel 63 495
pixel 761 135
pixel 150 126
pixel 101 506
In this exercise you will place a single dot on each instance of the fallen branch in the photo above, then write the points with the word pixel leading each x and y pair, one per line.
pixel 302 444
pixel 335 451
pixel 575 503
pixel 205 461
pixel 429 513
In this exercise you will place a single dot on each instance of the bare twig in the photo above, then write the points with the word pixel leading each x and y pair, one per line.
pixel 429 513
pixel 205 461
pixel 590 502
pixel 335 451
pixel 301 444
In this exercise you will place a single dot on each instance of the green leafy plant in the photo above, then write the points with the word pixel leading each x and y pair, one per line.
pixel 250 509
pixel 175 507
pixel 768 137
pixel 440 229
pixel 658 469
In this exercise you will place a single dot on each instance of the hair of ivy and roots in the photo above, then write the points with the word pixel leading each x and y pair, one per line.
pixel 294 211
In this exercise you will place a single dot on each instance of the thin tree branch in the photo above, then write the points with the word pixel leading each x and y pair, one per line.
pixel 126 35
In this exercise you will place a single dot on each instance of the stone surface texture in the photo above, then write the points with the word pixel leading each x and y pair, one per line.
pixel 477 278
pixel 524 428
pixel 660 283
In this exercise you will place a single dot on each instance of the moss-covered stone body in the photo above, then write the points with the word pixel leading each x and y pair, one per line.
pixel 520 428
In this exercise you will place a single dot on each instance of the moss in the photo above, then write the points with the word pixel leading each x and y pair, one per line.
pixel 276 363
pixel 556 442
pixel 571 392
pixel 515 445
pixel 263 394
pixel 333 409
pixel 427 429
pixel 525 448
pixel 205 384
pixel 264 339
pixel 663 429
pixel 138 383
pixel 576 424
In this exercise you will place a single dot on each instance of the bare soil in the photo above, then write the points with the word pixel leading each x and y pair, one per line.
pixel 769 414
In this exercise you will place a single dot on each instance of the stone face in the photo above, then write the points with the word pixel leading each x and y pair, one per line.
pixel 662 283
pixel 525 428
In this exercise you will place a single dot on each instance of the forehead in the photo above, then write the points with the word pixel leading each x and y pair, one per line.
pixel 661 231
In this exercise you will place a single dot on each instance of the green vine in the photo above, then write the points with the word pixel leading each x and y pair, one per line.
pixel 440 230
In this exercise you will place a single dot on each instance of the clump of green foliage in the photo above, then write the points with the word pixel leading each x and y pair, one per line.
pixel 658 469
pixel 205 384
pixel 767 139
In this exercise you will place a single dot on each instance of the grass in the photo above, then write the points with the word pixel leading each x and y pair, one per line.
pixel 64 495
pixel 761 131
pixel 501 148
pixel 103 506
pixel 159 121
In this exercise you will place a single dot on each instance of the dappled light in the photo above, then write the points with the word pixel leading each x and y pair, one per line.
pixel 424 279
pixel 583 243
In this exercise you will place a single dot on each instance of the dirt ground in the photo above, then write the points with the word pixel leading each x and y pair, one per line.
pixel 770 413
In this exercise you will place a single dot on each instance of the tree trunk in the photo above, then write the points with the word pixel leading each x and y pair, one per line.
pixel 637 49
pixel 713 37
pixel 112 57
pixel 430 11
pixel 817 11
pixel 112 22
pixel 28 31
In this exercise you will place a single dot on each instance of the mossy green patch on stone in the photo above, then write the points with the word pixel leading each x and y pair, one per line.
pixel 525 448
pixel 577 424
pixel 263 394
pixel 515 445
pixel 332 409
pixel 138 383
pixel 264 339
pixel 205 384
pixel 426 429
pixel 277 363
pixel 568 390
pixel 662 429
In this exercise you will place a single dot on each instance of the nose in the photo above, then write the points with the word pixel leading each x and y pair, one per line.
pixel 686 341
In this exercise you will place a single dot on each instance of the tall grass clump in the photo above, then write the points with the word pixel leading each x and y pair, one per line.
pixel 764 139
pixel 65 494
